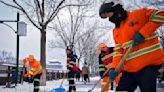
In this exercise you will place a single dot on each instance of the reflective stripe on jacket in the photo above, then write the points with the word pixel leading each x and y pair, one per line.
pixel 35 67
pixel 145 53
pixel 105 59
pixel 71 61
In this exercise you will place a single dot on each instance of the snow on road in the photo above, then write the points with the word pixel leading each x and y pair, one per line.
pixel 28 87
pixel 81 87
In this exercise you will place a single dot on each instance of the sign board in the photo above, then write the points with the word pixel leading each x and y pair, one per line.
pixel 22 29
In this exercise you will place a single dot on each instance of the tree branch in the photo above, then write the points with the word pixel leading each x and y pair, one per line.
pixel 43 12
pixel 63 36
pixel 37 12
pixel 52 16
pixel 30 19
pixel 10 5
pixel 72 5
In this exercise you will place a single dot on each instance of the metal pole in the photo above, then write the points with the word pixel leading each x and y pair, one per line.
pixel 17 52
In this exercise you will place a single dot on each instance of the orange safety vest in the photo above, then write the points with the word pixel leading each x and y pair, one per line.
pixel 71 62
pixel 68 60
pixel 35 67
pixel 146 53
pixel 106 61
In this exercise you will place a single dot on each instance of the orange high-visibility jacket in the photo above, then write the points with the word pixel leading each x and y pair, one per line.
pixel 71 62
pixel 35 67
pixel 146 53
pixel 105 59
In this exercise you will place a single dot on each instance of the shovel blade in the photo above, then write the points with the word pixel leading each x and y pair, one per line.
pixel 61 89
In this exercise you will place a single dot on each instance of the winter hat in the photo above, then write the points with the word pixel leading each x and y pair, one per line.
pixel 104 8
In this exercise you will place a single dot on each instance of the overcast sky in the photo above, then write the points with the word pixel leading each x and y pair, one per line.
pixel 29 44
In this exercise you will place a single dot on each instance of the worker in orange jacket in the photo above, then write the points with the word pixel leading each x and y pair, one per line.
pixel 105 59
pixel 136 28
pixel 35 71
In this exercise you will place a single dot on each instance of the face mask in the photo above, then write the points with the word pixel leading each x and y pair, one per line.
pixel 118 9
pixel 115 19
pixel 103 51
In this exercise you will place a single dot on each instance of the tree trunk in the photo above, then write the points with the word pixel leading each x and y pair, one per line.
pixel 43 56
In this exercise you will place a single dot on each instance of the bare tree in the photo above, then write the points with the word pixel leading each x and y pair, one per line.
pixel 40 13
pixel 6 57
pixel 69 28
pixel 143 3
pixel 70 32
pixel 88 49
pixel 85 44
pixel 79 30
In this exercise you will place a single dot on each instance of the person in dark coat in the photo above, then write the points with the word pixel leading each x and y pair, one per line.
pixel 71 61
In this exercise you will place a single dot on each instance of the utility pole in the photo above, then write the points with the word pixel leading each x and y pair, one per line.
pixel 17 52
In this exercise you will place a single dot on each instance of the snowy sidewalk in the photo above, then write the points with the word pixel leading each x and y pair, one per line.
pixel 28 87
pixel 80 86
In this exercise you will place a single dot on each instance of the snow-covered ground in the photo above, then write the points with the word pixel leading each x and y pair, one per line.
pixel 28 87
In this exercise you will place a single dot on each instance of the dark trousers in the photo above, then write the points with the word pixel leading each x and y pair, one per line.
pixel 86 77
pixel 77 76
pixel 111 86
pixel 37 82
pixel 145 79
pixel 71 75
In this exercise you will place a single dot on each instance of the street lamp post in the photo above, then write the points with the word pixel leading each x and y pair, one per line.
pixel 17 53
pixel 17 42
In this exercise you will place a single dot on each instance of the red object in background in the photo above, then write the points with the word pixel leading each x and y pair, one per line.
pixel 75 68
pixel 107 60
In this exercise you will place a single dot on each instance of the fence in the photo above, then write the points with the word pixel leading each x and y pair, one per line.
pixel 56 74
pixel 7 74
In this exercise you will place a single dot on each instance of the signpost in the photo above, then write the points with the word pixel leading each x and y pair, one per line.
pixel 21 31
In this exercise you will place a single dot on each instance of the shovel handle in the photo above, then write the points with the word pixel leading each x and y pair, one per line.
pixel 62 82
pixel 123 58
pixel 99 79
pixel 118 66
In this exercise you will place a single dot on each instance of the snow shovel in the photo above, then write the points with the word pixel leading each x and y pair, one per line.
pixel 60 89
pixel 118 66
pixel 98 81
